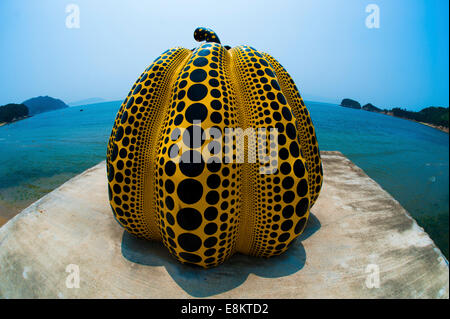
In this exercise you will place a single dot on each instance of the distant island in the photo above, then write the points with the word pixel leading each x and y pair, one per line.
pixel 42 104
pixel 371 108
pixel 436 117
pixel 351 104
pixel 13 112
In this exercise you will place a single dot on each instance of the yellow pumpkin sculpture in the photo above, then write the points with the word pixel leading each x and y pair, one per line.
pixel 206 210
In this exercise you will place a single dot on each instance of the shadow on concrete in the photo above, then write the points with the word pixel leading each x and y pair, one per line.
pixel 199 282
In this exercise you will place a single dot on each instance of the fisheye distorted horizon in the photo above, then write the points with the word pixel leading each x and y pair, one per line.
pixel 325 45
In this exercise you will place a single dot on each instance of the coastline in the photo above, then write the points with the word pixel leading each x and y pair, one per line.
pixel 3 221
pixel 15 120
pixel 437 127
pixel 440 128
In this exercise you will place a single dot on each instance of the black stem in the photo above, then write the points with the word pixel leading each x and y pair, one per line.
pixel 205 34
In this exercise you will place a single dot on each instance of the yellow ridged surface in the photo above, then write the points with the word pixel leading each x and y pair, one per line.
pixel 150 140
pixel 199 215
pixel 308 139
pixel 129 152
pixel 280 200
pixel 220 202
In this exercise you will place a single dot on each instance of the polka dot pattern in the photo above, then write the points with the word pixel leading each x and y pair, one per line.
pixel 307 134
pixel 173 180
pixel 132 137
pixel 270 194
pixel 205 221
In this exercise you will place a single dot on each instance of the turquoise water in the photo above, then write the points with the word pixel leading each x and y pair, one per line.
pixel 409 160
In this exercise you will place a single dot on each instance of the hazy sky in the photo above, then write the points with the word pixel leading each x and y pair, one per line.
pixel 324 44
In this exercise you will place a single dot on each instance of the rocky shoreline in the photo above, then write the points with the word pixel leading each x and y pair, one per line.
pixel 15 120
pixel 371 108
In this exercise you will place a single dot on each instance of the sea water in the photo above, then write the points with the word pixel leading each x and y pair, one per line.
pixel 409 160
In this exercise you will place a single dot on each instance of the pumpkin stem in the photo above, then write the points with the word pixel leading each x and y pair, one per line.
pixel 202 34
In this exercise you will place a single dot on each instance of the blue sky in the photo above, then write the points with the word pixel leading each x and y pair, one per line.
pixel 324 44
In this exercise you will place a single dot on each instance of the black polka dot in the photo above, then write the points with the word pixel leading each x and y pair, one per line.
pixel 191 257
pixel 124 117
pixel 216 117
pixel 193 136
pixel 215 93
pixel 137 89
pixel 302 207
pixel 182 84
pixel 211 241
pixel 191 163
pixel 190 191
pixel 198 75
pixel 173 151
pixel 200 62
pixel 299 168
pixel 288 211
pixel 110 172
pixel 175 134
pixel 196 111
pixel 214 82
pixel 215 104
pixel 285 168
pixel 189 242
pixel 130 102
pixel 212 197
pixel 293 149
pixel 170 219
pixel 281 98
pixel 213 181
pixel 211 213
pixel 283 237
pixel 210 252
pixel 290 131
pixel 287 225
pixel 288 182
pixel 119 177
pixel 213 166
pixel 170 186
pixel 281 139
pixel 286 113
pixel 300 225
pixel 189 218
pixel 275 84
pixel 170 232
pixel 302 187
pixel 117 200
pixel 283 153
pixel 210 228
pixel 197 92
pixel 181 106
pixel 169 203
pixel 170 168
pixel 204 52
pixel 178 120
pixel 288 197
pixel 269 72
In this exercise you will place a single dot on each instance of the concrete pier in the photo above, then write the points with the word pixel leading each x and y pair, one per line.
pixel 359 243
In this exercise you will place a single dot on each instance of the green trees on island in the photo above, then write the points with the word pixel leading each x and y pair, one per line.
pixel 432 115
pixel 30 107
pixel 12 111
pixel 437 116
